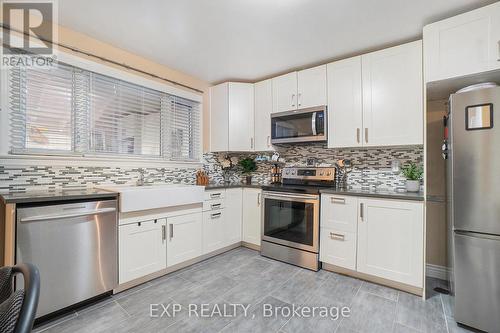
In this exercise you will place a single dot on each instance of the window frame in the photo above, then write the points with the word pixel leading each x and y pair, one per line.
pixel 89 158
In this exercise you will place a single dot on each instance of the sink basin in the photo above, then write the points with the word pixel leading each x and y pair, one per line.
pixel 135 198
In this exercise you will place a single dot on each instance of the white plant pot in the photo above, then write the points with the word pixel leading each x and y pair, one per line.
pixel 413 185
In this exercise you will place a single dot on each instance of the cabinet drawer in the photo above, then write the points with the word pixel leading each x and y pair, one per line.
pixel 339 212
pixel 214 194
pixel 213 204
pixel 338 248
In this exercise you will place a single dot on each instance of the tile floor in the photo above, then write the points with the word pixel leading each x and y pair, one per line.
pixel 243 276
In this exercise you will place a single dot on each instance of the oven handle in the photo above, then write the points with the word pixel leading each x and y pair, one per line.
pixel 279 195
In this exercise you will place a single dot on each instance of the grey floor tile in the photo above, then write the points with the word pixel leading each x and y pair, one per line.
pixel 339 288
pixel 46 325
pixel 254 268
pixel 300 288
pixel 370 313
pixel 453 327
pixel 206 292
pixel 379 290
pixel 257 321
pixel 97 320
pixel 398 328
pixel 131 290
pixel 419 314
pixel 449 305
pixel 139 304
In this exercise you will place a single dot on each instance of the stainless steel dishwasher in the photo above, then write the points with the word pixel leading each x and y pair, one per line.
pixel 74 245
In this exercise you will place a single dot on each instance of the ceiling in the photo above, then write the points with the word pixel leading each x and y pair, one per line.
pixel 218 40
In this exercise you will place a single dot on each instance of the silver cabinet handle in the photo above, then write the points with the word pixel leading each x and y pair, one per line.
pixel 358 132
pixel 66 216
pixel 337 236
pixel 498 50
pixel 215 206
pixel 298 99
pixel 366 134
pixel 337 200
pixel 258 199
pixel 268 141
pixel 163 232
pixel 293 97
pixel 361 211
pixel 215 215
pixel 251 143
pixel 215 195
pixel 171 226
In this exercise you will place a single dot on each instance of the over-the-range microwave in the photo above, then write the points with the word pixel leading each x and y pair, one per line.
pixel 305 125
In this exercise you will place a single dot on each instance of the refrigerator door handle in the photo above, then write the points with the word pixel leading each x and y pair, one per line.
pixel 477 235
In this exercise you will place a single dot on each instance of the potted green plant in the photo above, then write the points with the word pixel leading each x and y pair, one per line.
pixel 248 165
pixel 413 174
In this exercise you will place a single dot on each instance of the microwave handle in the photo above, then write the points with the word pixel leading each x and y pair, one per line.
pixel 313 124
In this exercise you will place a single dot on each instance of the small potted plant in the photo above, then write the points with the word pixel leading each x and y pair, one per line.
pixel 413 174
pixel 248 165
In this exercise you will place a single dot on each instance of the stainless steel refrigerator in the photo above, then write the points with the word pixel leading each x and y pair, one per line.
pixel 473 172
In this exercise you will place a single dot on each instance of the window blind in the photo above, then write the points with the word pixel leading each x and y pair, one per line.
pixel 41 103
pixel 183 129
pixel 124 118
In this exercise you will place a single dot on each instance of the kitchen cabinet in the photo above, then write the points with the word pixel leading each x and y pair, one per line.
pixel 184 238
pixel 299 90
pixel 233 219
pixel 338 248
pixel 213 230
pixel 219 117
pixel 393 96
pixel 252 205
pixel 390 240
pixel 263 110
pixel 463 45
pixel 142 249
pixel 345 111
pixel 232 117
pixel 285 92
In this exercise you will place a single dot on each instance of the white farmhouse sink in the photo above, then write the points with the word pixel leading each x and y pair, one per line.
pixel 135 198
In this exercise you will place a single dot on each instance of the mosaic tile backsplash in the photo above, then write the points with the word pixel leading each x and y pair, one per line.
pixel 372 168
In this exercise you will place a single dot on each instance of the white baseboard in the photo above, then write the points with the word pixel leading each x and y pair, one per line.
pixel 436 271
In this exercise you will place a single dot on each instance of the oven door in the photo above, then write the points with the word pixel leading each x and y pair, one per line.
pixel 299 126
pixel 291 220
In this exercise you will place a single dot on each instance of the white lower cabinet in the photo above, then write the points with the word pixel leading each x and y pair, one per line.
pixel 233 219
pixel 184 238
pixel 252 205
pixel 142 249
pixel 338 248
pixel 391 240
pixel 213 230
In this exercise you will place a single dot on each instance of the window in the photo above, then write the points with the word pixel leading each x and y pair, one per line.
pixel 68 110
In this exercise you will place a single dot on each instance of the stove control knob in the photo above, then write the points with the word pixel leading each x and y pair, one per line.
pixel 321 173
pixel 329 173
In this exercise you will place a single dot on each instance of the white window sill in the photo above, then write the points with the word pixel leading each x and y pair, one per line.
pixel 95 161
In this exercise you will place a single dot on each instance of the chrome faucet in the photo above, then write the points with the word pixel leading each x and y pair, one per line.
pixel 140 181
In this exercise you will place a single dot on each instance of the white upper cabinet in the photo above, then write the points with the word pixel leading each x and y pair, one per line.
pixel 391 240
pixel 393 96
pixel 263 110
pixel 241 117
pixel 311 85
pixel 219 117
pixel 345 111
pixel 462 45
pixel 232 117
pixel 285 92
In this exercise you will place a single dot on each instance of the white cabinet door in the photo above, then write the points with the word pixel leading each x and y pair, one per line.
pixel 345 109
pixel 285 92
pixel 142 249
pixel 311 85
pixel 184 238
pixel 213 230
pixel 252 205
pixel 393 96
pixel 463 45
pixel 241 117
pixel 233 219
pixel 338 248
pixel 263 110
pixel 339 212
pixel 219 117
pixel 390 240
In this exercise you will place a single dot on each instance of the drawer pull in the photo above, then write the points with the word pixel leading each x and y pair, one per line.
pixel 337 236
pixel 215 215
pixel 215 195
pixel 215 206
pixel 338 200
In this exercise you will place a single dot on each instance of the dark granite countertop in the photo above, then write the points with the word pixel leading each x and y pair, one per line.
pixel 385 194
pixel 62 195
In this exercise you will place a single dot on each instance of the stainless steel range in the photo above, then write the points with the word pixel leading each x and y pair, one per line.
pixel 290 221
